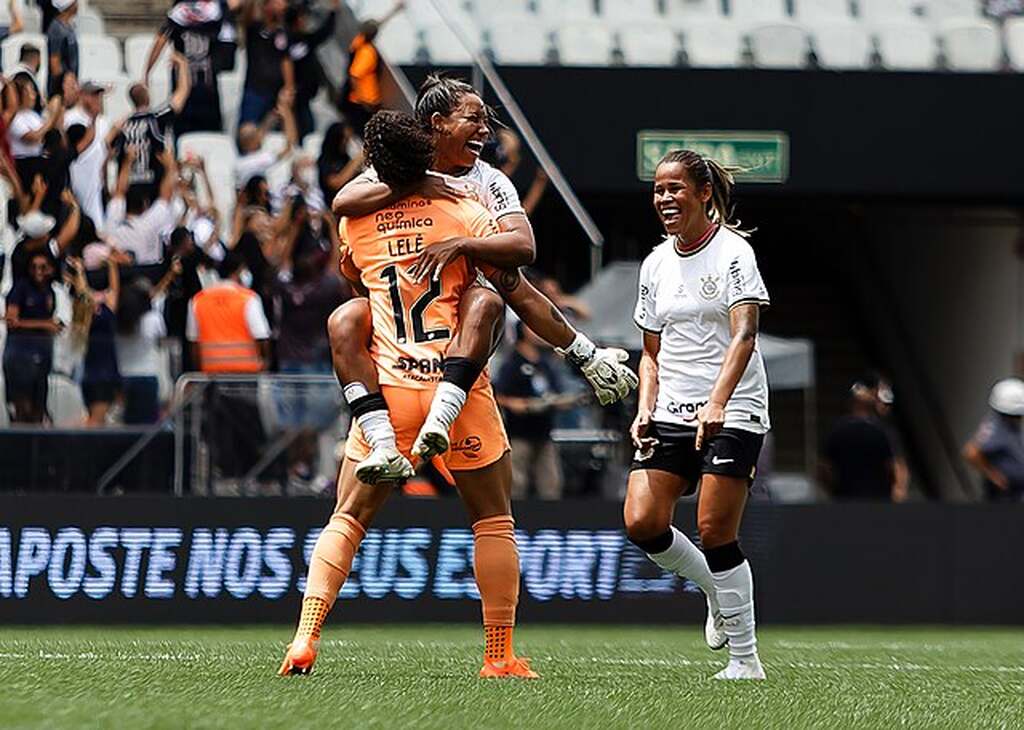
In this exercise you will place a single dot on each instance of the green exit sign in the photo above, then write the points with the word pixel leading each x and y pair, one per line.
pixel 763 157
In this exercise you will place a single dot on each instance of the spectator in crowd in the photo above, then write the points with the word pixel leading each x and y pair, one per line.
pixel 885 399
pixel 269 69
pixel 302 45
pixel 146 130
pixel 308 291
pixel 195 264
pixel 996 450
pixel 28 353
pixel 192 28
pixel 27 130
pixel 255 161
pixel 30 60
pixel 35 233
pixel 227 324
pixel 1002 9
pixel 11 22
pixel 62 47
pixel 101 377
pixel 361 97
pixel 530 391
pixel 49 13
pixel 229 333
pixel 136 224
pixel 140 332
pixel 91 136
pixel 335 165
pixel 858 460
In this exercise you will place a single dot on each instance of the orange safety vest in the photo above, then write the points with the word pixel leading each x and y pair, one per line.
pixel 362 73
pixel 225 343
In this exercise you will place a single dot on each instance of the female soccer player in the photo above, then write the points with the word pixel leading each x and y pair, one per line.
pixel 703 401
pixel 460 124
pixel 412 322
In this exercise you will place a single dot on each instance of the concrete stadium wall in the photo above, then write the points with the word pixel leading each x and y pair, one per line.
pixel 164 560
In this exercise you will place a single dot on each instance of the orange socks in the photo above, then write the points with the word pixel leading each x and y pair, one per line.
pixel 328 569
pixel 496 564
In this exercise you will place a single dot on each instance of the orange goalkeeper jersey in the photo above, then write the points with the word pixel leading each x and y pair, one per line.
pixel 412 323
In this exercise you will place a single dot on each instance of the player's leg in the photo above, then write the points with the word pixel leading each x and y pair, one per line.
pixel 481 318
pixel 482 467
pixel 651 496
pixel 356 506
pixel 486 493
pixel 728 468
pixel 350 328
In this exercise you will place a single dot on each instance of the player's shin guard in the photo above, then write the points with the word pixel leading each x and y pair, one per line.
pixel 328 569
pixel 496 565
pixel 734 584
pixel 674 552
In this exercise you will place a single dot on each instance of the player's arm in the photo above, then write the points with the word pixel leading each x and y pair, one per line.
pixel 602 367
pixel 743 324
pixel 183 85
pixel 514 246
pixel 365 197
pixel 974 456
pixel 647 394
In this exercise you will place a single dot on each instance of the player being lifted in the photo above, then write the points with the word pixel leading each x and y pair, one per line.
pixel 412 322
pixel 460 125
pixel 703 402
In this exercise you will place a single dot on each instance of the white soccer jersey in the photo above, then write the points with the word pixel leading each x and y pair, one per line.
pixel 484 182
pixel 686 299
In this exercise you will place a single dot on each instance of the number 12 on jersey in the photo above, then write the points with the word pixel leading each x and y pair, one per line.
pixel 419 331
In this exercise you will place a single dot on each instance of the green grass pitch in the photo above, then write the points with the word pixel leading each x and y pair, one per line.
pixel 424 677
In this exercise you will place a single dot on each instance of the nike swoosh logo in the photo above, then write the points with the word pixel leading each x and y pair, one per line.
pixel 716 461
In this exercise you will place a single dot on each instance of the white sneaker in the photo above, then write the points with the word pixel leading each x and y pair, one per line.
pixel 745 668
pixel 432 440
pixel 714 630
pixel 384 464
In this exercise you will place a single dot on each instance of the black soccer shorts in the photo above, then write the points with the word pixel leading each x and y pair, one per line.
pixel 732 452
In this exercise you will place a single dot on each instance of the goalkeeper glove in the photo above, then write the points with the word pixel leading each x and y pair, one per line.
pixel 602 367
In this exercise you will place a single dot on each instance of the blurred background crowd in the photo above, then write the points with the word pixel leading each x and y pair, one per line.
pixel 148 190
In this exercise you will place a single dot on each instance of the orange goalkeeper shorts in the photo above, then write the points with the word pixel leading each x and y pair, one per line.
pixel 478 436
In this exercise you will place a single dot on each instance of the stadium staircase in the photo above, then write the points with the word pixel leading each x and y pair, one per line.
pixel 124 17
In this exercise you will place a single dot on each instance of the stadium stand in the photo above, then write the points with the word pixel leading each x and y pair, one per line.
pixel 1014 30
pixel 99 56
pixel 971 45
pixel 779 45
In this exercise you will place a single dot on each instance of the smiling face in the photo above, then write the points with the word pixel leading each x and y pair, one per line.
pixel 678 200
pixel 460 136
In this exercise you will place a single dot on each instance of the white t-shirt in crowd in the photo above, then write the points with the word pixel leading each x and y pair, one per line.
pixel 87 171
pixel 139 354
pixel 23 123
pixel 253 164
pixel 142 235
pixel 486 183
pixel 686 299
pixel 255 317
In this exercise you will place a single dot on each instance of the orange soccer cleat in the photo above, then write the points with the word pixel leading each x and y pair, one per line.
pixel 300 657
pixel 512 667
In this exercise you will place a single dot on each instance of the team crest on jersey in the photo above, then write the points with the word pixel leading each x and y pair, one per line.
pixel 710 287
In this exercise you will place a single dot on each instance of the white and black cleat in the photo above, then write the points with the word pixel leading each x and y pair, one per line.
pixel 714 630
pixel 743 668
pixel 431 441
pixel 384 464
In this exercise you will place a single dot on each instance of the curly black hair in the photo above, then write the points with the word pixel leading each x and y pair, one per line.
pixel 398 147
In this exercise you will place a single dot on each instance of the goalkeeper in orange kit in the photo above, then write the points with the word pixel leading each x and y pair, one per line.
pixel 413 324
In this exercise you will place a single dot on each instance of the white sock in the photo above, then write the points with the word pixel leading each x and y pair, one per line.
pixel 687 561
pixel 735 588
pixel 377 429
pixel 447 404
pixel 376 425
